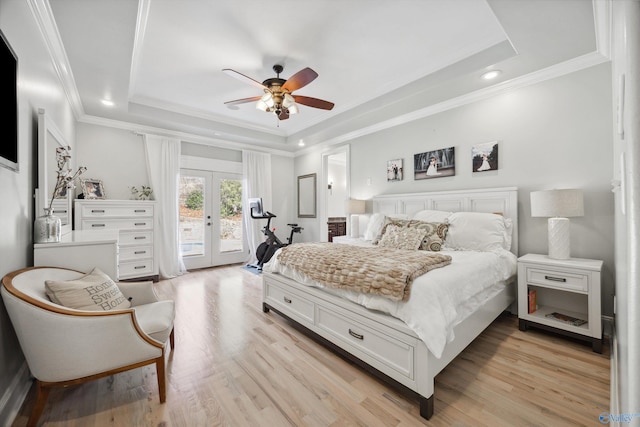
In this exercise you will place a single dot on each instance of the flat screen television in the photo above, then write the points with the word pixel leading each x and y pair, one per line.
pixel 9 105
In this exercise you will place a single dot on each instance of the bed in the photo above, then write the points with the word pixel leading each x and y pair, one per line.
pixel 396 339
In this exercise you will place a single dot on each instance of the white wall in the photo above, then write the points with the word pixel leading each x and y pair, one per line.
pixel 114 156
pixel 555 134
pixel 39 87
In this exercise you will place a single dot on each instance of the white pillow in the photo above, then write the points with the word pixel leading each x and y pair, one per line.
pixel 477 231
pixel 432 216
pixel 376 222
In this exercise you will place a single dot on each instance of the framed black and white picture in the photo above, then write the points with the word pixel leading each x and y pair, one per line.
pixel 484 157
pixel 434 164
pixel 395 171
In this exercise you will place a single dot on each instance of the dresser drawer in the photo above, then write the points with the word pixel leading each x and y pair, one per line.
pixel 389 351
pixel 129 253
pixel 136 237
pixel 558 278
pixel 135 268
pixel 99 211
pixel 290 303
pixel 113 224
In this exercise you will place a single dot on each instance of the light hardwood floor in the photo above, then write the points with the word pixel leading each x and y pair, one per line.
pixel 233 365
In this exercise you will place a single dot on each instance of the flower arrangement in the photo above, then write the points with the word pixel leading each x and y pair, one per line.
pixel 144 193
pixel 66 177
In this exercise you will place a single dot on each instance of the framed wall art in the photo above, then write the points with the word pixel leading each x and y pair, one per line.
pixel 395 170
pixel 484 157
pixel 434 164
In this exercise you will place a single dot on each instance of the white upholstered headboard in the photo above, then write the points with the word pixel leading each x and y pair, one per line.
pixel 502 200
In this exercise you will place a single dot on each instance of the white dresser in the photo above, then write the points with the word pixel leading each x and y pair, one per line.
pixel 82 251
pixel 135 221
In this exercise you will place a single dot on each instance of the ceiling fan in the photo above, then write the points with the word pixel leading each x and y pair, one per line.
pixel 278 95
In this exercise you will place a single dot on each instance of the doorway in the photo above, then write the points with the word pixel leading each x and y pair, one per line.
pixel 335 187
pixel 211 230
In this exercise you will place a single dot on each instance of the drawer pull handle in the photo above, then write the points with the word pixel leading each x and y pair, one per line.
pixel 140 252
pixel 140 223
pixel 97 210
pixel 137 267
pixel 139 237
pixel 355 335
pixel 61 211
pixel 555 279
pixel 287 300
pixel 140 210
pixel 98 225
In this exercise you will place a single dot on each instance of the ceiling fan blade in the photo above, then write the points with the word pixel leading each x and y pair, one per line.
pixel 243 100
pixel 300 79
pixel 313 102
pixel 242 77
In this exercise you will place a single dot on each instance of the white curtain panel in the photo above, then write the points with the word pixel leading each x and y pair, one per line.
pixel 163 167
pixel 256 182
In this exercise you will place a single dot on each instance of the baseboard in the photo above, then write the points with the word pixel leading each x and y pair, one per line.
pixel 614 389
pixel 13 397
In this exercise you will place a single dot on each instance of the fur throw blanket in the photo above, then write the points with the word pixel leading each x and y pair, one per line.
pixel 375 270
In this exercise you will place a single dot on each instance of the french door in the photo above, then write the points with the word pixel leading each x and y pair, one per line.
pixel 211 230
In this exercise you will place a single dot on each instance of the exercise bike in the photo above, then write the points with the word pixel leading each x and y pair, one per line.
pixel 272 243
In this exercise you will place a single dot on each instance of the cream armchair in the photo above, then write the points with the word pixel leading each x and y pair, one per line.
pixel 64 346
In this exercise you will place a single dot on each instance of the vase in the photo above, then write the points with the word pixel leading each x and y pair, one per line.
pixel 47 228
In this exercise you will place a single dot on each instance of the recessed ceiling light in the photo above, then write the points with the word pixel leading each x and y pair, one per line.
pixel 491 74
pixel 301 143
pixel 107 102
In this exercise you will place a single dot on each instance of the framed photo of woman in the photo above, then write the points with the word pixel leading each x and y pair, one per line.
pixel 484 157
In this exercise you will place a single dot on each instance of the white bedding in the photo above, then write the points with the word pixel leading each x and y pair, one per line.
pixel 440 299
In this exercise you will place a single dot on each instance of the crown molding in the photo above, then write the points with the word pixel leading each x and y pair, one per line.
pixel 43 15
pixel 183 136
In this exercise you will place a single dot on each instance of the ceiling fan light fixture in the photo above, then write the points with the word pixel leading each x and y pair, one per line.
pixel 293 109
pixel 288 100
pixel 261 105
pixel 267 98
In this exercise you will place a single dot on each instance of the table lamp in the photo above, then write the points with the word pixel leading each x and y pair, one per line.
pixel 355 207
pixel 558 206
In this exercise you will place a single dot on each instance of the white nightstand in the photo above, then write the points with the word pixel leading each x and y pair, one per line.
pixel 570 287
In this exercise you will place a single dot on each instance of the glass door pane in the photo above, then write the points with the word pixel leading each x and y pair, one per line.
pixel 231 236
pixel 193 221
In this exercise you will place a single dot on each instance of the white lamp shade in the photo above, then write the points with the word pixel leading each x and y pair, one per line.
pixel 557 203
pixel 354 206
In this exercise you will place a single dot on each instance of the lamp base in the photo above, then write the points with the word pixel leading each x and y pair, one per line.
pixel 355 226
pixel 559 236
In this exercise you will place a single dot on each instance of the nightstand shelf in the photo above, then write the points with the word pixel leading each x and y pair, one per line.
pixel 570 287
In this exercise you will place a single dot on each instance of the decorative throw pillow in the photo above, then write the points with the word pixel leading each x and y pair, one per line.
pixel 399 237
pixel 95 292
pixel 435 234
pixel 387 222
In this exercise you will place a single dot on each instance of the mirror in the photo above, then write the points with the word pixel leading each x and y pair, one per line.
pixel 49 139
pixel 307 196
